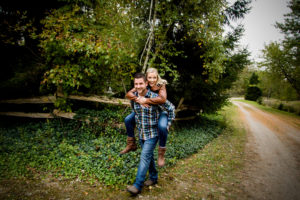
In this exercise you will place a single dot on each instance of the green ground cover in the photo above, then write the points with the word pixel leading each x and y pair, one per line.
pixel 70 149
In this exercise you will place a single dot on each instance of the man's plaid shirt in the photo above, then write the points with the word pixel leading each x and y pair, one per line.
pixel 147 118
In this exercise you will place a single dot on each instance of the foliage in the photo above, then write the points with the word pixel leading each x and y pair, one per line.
pixel 196 59
pixel 253 93
pixel 254 79
pixel 271 105
pixel 89 151
pixel 89 47
pixel 273 86
pixel 288 106
pixel 22 65
pixel 282 58
pixel 63 104
pixel 290 28
pixel 239 87
pixel 277 63
pixel 86 46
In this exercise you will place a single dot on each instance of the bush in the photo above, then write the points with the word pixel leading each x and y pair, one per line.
pixel 72 149
pixel 253 93
pixel 259 100
pixel 280 107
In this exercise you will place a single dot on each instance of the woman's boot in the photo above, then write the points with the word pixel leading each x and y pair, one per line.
pixel 131 145
pixel 161 156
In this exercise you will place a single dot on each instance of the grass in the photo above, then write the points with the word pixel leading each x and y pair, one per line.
pixel 289 106
pixel 211 173
pixel 269 109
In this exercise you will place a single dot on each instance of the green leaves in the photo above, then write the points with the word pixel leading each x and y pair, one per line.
pixel 84 48
pixel 89 151
pixel 282 58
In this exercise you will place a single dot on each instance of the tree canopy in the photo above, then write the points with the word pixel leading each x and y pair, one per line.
pixel 87 46
pixel 283 58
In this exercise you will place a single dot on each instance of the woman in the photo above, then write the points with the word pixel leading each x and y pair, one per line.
pixel 158 85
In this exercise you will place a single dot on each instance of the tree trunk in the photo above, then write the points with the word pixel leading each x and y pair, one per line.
pixel 151 35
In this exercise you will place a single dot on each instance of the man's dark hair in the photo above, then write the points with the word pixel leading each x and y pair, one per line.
pixel 140 75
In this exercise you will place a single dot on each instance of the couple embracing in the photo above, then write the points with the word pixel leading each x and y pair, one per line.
pixel 152 115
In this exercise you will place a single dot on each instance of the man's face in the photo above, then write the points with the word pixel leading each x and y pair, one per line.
pixel 140 85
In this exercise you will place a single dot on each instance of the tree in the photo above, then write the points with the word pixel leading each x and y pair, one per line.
pixel 86 46
pixel 187 46
pixel 253 91
pixel 21 64
pixel 290 28
pixel 283 58
pixel 191 52
pixel 273 86
pixel 89 47
pixel 254 79
pixel 239 87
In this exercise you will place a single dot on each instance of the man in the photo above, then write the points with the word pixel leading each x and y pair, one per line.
pixel 146 119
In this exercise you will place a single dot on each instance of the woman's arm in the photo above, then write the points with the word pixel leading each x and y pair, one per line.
pixel 162 97
pixel 130 95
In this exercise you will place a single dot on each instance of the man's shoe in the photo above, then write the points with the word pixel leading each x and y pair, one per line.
pixel 133 190
pixel 150 182
pixel 131 145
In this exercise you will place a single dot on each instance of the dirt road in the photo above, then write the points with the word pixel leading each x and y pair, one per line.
pixel 273 154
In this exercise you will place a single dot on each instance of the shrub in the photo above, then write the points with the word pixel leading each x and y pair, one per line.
pixel 280 107
pixel 259 100
pixel 253 93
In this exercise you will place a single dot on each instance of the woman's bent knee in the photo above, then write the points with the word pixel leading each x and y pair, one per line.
pixel 162 127
pixel 129 118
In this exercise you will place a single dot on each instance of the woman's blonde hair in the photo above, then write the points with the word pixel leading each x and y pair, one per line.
pixel 159 81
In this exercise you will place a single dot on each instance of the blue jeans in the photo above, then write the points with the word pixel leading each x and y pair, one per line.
pixel 130 124
pixel 146 163
pixel 162 127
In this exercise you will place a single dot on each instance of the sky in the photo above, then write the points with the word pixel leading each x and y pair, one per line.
pixel 259 25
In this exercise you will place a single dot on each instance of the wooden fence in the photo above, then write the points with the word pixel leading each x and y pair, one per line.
pixel 70 115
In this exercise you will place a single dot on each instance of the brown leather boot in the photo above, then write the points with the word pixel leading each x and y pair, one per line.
pixel 131 145
pixel 161 156
pixel 133 190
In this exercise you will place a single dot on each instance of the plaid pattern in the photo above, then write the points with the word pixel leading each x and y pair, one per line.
pixel 147 118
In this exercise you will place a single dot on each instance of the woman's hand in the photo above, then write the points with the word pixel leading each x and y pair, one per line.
pixel 142 101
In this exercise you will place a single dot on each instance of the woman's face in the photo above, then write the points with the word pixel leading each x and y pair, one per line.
pixel 152 78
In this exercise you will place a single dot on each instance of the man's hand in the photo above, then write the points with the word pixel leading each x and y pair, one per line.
pixel 142 101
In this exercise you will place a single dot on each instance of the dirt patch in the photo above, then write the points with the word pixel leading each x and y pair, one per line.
pixel 272 170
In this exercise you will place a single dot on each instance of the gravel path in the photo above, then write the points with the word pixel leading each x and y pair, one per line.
pixel 273 155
